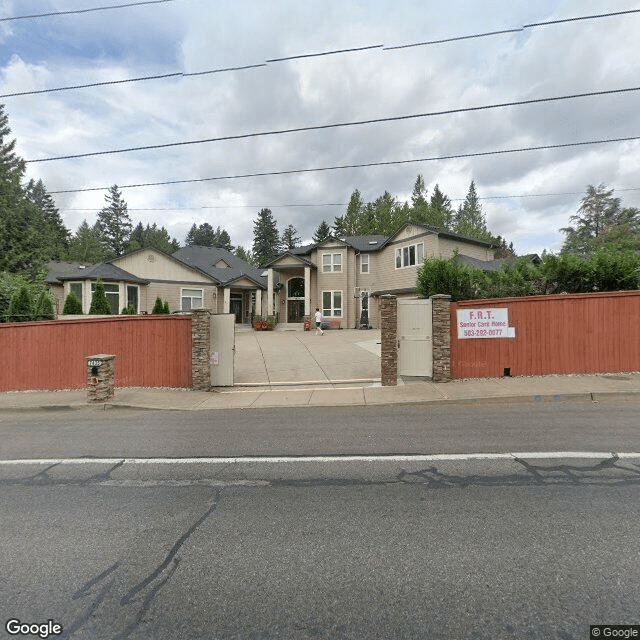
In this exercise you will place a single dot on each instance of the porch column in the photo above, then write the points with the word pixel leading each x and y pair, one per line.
pixel 258 302
pixel 307 291
pixel 269 292
pixel 226 304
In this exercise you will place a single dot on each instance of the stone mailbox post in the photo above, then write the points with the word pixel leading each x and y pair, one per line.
pixel 100 375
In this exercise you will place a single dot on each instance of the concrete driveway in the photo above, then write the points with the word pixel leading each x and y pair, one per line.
pixel 339 357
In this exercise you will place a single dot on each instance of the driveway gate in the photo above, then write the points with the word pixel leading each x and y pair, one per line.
pixel 415 346
pixel 223 345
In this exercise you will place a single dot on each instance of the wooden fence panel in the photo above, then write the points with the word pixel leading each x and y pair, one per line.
pixel 582 333
pixel 151 351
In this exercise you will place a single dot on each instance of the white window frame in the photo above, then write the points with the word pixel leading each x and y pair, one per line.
pixel 81 284
pixel 409 255
pixel 364 262
pixel 110 295
pixel 333 265
pixel 191 298
pixel 333 311
pixel 137 289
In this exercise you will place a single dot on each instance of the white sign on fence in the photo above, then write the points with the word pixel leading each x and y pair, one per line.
pixel 484 323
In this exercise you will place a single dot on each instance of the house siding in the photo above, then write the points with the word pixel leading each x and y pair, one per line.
pixel 154 265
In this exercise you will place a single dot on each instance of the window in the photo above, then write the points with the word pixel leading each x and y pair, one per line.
pixel 364 263
pixel 331 304
pixel 410 256
pixel 132 296
pixel 331 262
pixel 295 288
pixel 76 289
pixel 112 293
pixel 191 299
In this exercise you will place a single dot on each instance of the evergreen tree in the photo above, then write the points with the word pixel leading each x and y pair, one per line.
pixel 165 307
pixel 419 205
pixel 205 235
pixel 44 306
pixel 243 254
pixel 72 306
pixel 114 224
pixel 470 220
pixel 158 307
pixel 601 221
pixel 351 223
pixel 290 238
pixel 440 210
pixel 21 308
pixel 22 224
pixel 85 245
pixel 53 231
pixel 99 303
pixel 266 242
pixel 322 233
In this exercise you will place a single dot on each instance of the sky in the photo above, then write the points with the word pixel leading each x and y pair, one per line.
pixel 527 196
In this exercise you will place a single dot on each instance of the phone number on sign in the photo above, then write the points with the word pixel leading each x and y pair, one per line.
pixel 483 333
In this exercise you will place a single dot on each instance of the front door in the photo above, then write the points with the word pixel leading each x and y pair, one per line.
pixel 295 312
pixel 235 307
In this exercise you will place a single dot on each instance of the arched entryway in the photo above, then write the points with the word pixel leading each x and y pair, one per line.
pixel 295 299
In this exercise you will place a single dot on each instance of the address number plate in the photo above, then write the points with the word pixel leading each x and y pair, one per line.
pixel 95 363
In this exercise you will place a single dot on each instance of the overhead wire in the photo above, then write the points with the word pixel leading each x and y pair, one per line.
pixel 72 11
pixel 334 125
pixel 358 165
pixel 381 47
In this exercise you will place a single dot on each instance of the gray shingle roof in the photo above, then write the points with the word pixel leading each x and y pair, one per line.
pixel 105 271
pixel 205 259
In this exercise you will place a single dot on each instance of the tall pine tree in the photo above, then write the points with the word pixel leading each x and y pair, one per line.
pixel 86 246
pixel 290 238
pixel 114 224
pixel 53 229
pixel 470 220
pixel 322 233
pixel 22 226
pixel 266 241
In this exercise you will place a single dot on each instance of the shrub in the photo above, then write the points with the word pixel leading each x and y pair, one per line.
pixel 165 307
pixel 20 308
pixel 99 304
pixel 158 307
pixel 44 306
pixel 129 311
pixel 438 275
pixel 72 306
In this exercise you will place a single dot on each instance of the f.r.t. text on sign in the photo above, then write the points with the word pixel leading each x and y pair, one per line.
pixel 484 323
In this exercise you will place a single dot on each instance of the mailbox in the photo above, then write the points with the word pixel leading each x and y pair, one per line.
pixel 100 377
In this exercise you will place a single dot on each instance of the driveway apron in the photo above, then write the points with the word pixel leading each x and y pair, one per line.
pixel 269 358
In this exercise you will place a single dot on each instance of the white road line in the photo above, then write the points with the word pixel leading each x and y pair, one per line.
pixel 538 455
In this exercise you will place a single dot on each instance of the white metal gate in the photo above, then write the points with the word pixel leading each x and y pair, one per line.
pixel 223 345
pixel 415 346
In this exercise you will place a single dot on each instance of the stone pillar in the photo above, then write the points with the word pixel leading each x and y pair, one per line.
pixel 201 349
pixel 307 292
pixel 441 328
pixel 226 300
pixel 258 302
pixel 389 340
pixel 269 292
pixel 100 377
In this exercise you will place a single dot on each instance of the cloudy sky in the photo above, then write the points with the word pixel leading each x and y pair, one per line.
pixel 528 195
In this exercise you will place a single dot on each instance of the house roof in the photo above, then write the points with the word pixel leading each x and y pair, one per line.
pixel 445 234
pixel 55 269
pixel 296 256
pixel 104 271
pixel 366 243
pixel 485 265
pixel 205 258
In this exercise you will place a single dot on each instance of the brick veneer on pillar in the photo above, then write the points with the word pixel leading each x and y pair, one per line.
pixel 441 327
pixel 389 340
pixel 201 349
pixel 101 373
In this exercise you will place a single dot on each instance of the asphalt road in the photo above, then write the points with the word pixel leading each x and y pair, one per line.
pixel 477 559
pixel 461 550
pixel 582 426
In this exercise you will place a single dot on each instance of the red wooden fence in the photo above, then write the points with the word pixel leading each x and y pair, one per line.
pixel 151 351
pixel 582 333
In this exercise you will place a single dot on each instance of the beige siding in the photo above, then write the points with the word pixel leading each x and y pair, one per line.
pixel 333 280
pixel 448 248
pixel 171 292
pixel 154 265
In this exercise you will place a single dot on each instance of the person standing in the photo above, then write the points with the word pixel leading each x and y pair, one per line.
pixel 319 322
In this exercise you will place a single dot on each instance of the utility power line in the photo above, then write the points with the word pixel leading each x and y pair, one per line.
pixel 303 55
pixel 338 204
pixel 336 125
pixel 358 166
pixel 65 13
